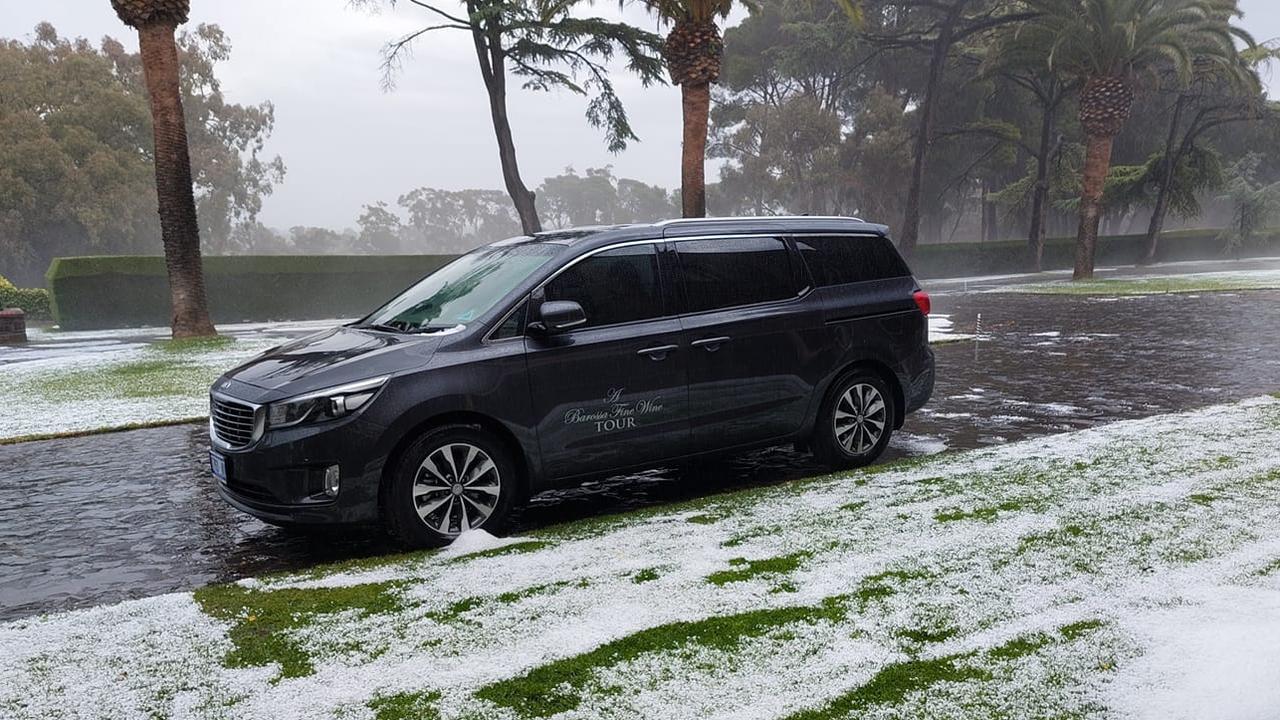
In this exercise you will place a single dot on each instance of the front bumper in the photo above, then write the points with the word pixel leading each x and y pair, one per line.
pixel 280 476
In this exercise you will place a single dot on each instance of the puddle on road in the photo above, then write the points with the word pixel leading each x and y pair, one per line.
pixel 104 518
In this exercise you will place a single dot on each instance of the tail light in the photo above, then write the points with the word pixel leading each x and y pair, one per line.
pixel 922 301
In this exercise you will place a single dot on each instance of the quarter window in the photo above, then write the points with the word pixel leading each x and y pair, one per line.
pixel 614 286
pixel 837 260
pixel 730 272
pixel 513 325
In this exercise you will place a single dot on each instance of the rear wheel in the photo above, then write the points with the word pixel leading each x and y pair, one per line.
pixel 453 479
pixel 855 422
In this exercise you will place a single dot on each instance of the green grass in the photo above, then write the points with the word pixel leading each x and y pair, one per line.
pixel 645 575
pixel 405 706
pixel 880 585
pixel 1079 629
pixel 193 345
pixel 137 379
pixel 927 636
pixel 262 620
pixel 558 686
pixel 744 569
pixel 703 519
pixel 982 513
pixel 893 683
pixel 1145 286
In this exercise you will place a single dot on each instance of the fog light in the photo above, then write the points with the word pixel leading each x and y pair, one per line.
pixel 331 481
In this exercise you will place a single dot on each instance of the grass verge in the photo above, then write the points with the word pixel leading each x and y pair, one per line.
pixel 556 687
pixel 1146 286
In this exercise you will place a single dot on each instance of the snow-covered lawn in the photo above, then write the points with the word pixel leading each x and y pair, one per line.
pixel 1131 570
pixel 85 381
pixel 75 382
pixel 1154 284
pixel 116 387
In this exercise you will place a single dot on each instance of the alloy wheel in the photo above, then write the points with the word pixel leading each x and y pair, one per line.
pixel 456 488
pixel 859 419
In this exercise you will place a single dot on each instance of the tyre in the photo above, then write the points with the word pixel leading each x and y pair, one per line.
pixel 453 478
pixel 855 421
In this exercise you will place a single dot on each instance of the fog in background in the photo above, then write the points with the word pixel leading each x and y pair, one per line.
pixel 347 143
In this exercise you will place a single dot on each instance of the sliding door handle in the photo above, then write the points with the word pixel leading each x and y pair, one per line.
pixel 660 352
pixel 711 344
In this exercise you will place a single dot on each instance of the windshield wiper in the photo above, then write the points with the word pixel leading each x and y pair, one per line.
pixel 430 328
pixel 384 328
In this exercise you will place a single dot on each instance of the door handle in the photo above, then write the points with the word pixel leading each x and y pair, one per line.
pixel 660 352
pixel 712 344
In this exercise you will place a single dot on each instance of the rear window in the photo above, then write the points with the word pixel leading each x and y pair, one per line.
pixel 837 260
pixel 730 272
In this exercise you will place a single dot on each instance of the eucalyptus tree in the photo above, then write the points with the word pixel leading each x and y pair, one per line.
pixel 1106 46
pixel 547 46
pixel 1224 89
pixel 935 28
pixel 156 21
pixel 1017 56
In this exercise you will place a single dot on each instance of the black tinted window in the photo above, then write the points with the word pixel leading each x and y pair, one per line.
pixel 513 325
pixel 735 271
pixel 838 260
pixel 614 286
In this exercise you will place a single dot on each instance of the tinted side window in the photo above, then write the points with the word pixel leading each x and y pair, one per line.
pixel 615 286
pixel 729 272
pixel 513 326
pixel 837 260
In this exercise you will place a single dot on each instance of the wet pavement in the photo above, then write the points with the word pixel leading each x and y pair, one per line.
pixel 108 517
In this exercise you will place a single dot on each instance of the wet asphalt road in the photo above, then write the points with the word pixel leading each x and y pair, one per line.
pixel 108 517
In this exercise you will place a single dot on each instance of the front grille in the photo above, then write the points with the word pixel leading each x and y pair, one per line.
pixel 234 423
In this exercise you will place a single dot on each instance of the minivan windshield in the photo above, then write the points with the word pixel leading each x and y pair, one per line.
pixel 461 291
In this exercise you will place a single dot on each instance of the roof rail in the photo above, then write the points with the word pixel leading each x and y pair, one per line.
pixel 756 218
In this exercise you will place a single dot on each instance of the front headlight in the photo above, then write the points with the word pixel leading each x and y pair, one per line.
pixel 325 404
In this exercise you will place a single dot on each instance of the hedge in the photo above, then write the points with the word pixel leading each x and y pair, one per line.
pixel 961 259
pixel 123 291
pixel 133 290
pixel 33 301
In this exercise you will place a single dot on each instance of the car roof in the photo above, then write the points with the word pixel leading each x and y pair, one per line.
pixel 595 236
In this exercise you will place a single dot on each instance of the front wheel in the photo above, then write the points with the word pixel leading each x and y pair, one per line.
pixel 453 479
pixel 855 422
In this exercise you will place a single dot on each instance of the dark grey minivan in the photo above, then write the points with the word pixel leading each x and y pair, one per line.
pixel 542 361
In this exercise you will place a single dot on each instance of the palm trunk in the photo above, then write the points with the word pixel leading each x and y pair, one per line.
pixel 1097 163
pixel 1040 194
pixel 696 104
pixel 493 70
pixel 179 230
pixel 1171 159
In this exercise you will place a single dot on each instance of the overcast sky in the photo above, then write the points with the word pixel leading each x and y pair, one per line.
pixel 347 143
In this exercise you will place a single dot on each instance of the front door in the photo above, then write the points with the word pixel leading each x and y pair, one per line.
pixel 612 392
pixel 751 339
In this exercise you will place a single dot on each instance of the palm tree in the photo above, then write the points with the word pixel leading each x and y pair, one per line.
pixel 693 51
pixel 1106 45
pixel 156 21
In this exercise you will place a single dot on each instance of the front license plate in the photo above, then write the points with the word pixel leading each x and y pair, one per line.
pixel 218 465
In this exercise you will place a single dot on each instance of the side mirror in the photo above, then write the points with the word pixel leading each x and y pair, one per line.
pixel 560 315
